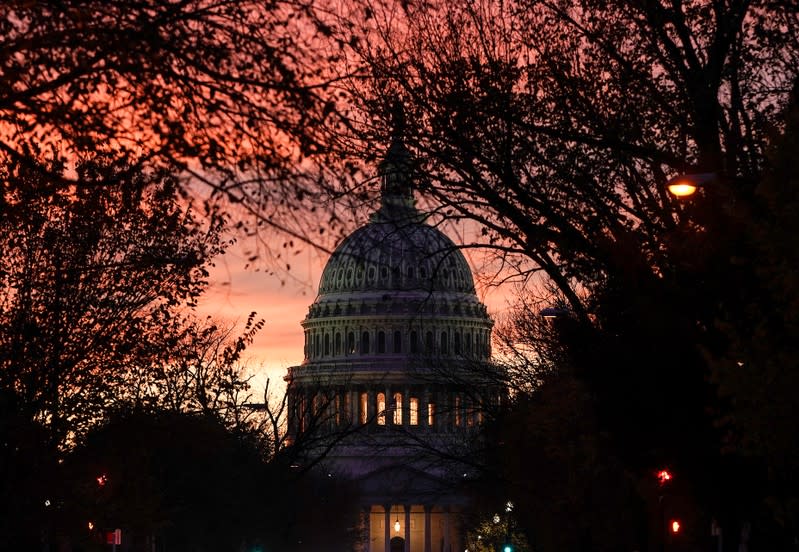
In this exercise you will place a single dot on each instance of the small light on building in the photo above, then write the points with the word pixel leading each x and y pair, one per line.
pixel 397 526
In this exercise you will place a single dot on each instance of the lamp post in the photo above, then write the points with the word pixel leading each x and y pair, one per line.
pixel 686 185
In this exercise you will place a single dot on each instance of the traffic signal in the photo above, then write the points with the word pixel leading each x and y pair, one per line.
pixel 675 526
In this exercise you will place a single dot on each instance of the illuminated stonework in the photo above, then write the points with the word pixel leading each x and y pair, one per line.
pixel 395 343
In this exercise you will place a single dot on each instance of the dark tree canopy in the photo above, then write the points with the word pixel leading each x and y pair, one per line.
pixel 94 281
pixel 230 92
pixel 555 125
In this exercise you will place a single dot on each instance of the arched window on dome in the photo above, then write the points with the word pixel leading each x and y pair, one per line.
pixel 429 343
pixel 414 342
pixel 397 341
pixel 316 344
pixel 365 343
pixel 468 344
pixel 351 343
pixel 457 343
pixel 327 344
pixel 381 409
pixel 381 342
pixel 397 408
pixel 413 411
pixel 337 348
pixel 457 411
pixel 444 343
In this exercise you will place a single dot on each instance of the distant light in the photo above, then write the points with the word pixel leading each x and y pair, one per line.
pixel 509 506
pixel 47 502
pixel 91 526
pixel 397 526
pixel 102 480
pixel 507 548
pixel 675 526
pixel 664 476
pixel 496 518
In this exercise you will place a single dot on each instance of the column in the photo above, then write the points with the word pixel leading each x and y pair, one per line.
pixel 446 531
pixel 424 412
pixel 407 528
pixel 428 534
pixel 406 408
pixel 367 528
pixel 371 399
pixel 387 528
pixel 389 410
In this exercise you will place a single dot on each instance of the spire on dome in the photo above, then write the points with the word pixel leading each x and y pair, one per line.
pixel 396 172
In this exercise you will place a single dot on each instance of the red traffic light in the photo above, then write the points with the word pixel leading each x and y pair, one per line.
pixel 675 526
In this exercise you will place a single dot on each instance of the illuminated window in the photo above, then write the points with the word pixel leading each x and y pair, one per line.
pixel 364 410
pixel 413 406
pixel 397 408
pixel 458 410
pixel 431 414
pixel 365 343
pixel 381 342
pixel 381 409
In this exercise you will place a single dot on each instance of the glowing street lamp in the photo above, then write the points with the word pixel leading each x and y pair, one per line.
pixel 397 525
pixel 552 313
pixel 686 185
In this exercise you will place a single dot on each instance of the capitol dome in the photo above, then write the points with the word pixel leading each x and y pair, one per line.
pixel 391 256
pixel 397 353
pixel 395 288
